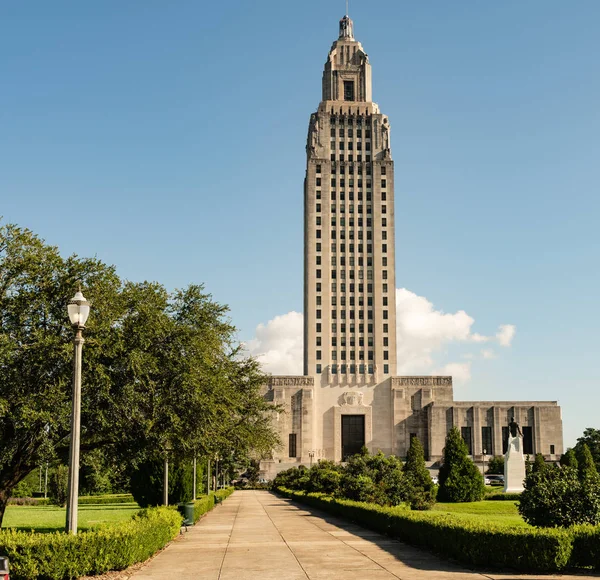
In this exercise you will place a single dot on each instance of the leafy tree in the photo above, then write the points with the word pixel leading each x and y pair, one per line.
pixel 459 478
pixel 496 465
pixel 591 438
pixel 147 482
pixel 421 489
pixel 156 366
pixel 569 459
pixel 556 497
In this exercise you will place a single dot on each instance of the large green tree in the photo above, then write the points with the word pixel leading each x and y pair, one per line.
pixel 158 368
pixel 591 438
pixel 459 478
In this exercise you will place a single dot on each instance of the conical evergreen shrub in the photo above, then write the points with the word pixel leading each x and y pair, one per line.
pixel 459 478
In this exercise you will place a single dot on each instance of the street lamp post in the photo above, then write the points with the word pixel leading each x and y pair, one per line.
pixel 166 474
pixel 483 466
pixel 194 486
pixel 79 310
pixel 311 455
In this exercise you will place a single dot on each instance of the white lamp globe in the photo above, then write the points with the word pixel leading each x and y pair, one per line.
pixel 79 309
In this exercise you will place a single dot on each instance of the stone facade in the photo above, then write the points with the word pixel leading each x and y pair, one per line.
pixel 348 394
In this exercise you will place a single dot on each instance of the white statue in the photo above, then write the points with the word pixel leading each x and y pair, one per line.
pixel 514 462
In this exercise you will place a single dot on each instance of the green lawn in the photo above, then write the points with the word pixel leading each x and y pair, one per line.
pixel 500 512
pixel 52 518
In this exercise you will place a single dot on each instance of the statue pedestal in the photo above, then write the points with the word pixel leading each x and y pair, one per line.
pixel 514 466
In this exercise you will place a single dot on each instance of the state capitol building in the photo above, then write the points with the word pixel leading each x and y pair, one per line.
pixel 349 395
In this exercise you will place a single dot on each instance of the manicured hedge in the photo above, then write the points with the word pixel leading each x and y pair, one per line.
pixel 473 543
pixel 59 556
pixel 83 500
pixel 104 499
pixel 501 496
pixel 206 503
pixel 586 546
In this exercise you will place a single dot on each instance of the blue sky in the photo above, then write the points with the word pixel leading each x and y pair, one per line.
pixel 168 138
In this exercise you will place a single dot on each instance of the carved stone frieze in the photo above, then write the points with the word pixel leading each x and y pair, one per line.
pixel 292 382
pixel 421 381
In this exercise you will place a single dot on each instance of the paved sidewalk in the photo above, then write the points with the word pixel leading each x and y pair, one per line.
pixel 256 535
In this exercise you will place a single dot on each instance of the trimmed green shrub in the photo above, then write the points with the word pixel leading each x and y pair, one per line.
pixel 293 478
pixel 472 543
pixel 374 478
pixel 459 478
pixel 421 489
pixel 568 459
pixel 501 496
pixel 106 499
pixel 586 546
pixel 586 467
pixel 556 497
pixel 324 477
pixel 58 556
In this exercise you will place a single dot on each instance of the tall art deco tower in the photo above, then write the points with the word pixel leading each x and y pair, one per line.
pixel 349 395
pixel 349 266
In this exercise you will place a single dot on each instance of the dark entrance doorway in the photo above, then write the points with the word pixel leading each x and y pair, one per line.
pixel 353 435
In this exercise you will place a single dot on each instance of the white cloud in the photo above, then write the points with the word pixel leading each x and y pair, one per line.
pixel 423 335
pixel 505 334
pixel 488 354
pixel 460 372
pixel 279 344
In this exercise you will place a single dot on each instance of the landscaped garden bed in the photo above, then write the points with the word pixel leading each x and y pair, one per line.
pixel 113 538
pixel 456 532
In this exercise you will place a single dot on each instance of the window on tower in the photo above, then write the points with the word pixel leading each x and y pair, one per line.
pixel 348 90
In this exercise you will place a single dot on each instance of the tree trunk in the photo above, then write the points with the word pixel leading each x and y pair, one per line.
pixel 4 495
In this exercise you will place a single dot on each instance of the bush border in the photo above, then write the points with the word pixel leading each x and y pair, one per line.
pixel 472 543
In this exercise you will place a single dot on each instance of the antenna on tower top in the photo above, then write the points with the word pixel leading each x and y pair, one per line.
pixel 347 8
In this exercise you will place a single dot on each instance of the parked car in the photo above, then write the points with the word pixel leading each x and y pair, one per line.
pixel 491 479
pixel 3 568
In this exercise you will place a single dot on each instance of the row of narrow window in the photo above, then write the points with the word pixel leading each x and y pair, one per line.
pixel 352 286
pixel 352 342
pixel 349 132
pixel 352 301
pixel 351 169
pixel 351 314
pixel 351 248
pixel 369 195
pixel 349 120
pixel 352 261
pixel 349 146
pixel 352 353
pixel 342 182
pixel 360 222
pixel 352 327
pixel 359 157
pixel 351 274
pixel 351 369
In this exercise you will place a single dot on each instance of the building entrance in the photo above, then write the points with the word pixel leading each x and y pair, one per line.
pixel 353 435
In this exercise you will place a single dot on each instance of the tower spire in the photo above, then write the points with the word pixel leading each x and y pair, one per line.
pixel 347 26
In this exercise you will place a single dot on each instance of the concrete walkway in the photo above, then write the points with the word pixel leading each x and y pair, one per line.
pixel 257 535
